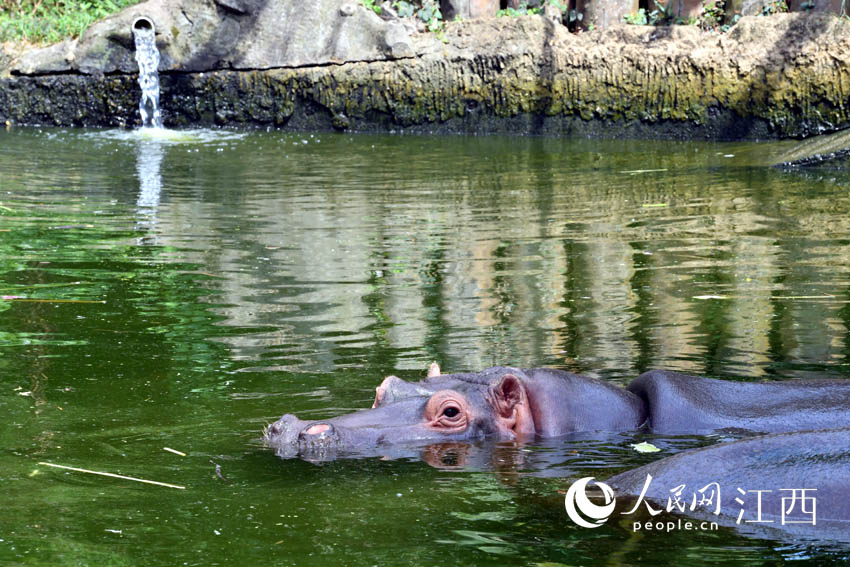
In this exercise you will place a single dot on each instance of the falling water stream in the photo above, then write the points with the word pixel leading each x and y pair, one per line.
pixel 147 56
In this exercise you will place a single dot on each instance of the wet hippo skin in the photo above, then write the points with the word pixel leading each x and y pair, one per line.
pixel 514 403
pixel 678 403
pixel 779 465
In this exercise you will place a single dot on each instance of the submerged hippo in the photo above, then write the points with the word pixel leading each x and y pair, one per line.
pixel 513 403
pixel 788 484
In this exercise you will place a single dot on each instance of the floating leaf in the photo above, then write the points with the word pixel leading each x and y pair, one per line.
pixel 645 447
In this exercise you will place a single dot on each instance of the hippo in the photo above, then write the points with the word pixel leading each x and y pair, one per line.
pixel 790 486
pixel 524 404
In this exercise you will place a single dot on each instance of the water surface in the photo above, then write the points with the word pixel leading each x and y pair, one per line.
pixel 183 291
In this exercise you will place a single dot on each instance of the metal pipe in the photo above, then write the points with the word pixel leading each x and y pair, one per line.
pixel 142 24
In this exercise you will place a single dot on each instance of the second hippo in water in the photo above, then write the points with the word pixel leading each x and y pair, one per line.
pixel 514 403
pixel 787 486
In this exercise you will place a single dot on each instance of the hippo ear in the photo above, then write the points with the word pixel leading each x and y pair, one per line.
pixel 510 403
pixel 507 394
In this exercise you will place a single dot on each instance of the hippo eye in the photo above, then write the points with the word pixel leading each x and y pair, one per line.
pixel 451 411
pixel 447 411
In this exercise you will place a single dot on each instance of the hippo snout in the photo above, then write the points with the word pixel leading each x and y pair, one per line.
pixel 282 429
pixel 289 431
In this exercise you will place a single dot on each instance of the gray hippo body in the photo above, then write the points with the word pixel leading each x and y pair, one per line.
pixel 513 403
pixel 771 471
pixel 806 425
pixel 678 403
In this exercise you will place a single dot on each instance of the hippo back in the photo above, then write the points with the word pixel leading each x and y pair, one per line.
pixel 679 403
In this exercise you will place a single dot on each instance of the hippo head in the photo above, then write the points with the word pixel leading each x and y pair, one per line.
pixel 441 409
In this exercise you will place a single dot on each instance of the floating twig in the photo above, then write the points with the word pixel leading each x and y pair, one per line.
pixel 218 471
pixel 772 298
pixel 113 475
pixel 27 300
pixel 175 451
pixel 39 286
pixel 803 297
pixel 636 171
pixel 71 226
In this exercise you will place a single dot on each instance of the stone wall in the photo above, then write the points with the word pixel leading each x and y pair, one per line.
pixel 779 76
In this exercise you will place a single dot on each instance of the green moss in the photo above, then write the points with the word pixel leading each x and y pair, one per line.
pixel 428 93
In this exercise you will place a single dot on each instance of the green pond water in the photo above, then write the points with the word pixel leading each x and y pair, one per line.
pixel 183 291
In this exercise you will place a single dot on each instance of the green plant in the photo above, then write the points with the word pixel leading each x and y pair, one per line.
pixel 636 19
pixel 404 9
pixel 712 14
pixel 774 7
pixel 430 14
pixel 371 5
pixel 522 10
pixel 428 11
pixel 710 19
pixel 662 14
pixel 49 21
pixel 728 25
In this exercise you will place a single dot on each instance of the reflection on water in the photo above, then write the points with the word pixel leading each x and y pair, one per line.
pixel 148 165
pixel 186 290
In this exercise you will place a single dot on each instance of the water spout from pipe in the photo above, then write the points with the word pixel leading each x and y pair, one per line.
pixel 147 57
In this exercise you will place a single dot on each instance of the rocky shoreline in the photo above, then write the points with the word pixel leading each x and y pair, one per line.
pixel 787 75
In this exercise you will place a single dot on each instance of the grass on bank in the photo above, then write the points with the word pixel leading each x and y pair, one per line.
pixel 49 21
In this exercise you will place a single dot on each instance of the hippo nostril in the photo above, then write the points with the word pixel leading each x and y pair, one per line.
pixel 318 436
pixel 317 429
